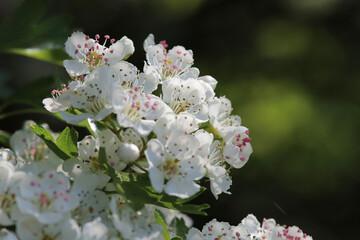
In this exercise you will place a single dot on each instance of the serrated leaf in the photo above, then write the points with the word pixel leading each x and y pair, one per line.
pixel 161 222
pixel 51 55
pixel 67 141
pixel 178 224
pixel 48 139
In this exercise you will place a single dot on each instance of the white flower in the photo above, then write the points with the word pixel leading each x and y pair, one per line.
pixel 88 156
pixel 129 78
pixel 60 100
pixel 169 122
pixel 177 162
pixel 136 110
pixel 7 235
pixel 134 225
pixel 93 203
pixel 94 230
pixel 8 207
pixel 31 152
pixel 89 54
pixel 268 230
pixel 6 155
pixel 92 96
pixel 191 96
pixel 174 62
pixel 220 180
pixel 212 230
pixel 29 228
pixel 237 149
pixel 47 198
pixel 219 113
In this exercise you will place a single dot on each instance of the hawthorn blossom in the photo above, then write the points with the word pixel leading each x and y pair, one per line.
pixel 220 180
pixel 32 154
pixel 47 198
pixel 137 110
pixel 134 225
pixel 175 62
pixel 213 230
pixel 237 149
pixel 191 96
pixel 220 116
pixel 175 165
pixel 89 54
pixel 88 161
pixel 92 96
pixel 169 122
pixel 130 78
pixel 29 228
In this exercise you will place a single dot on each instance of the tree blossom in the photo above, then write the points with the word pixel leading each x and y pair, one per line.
pixel 175 62
pixel 89 54
pixel 177 163
pixel 237 147
pixel 47 198
pixel 191 96
pixel 134 225
pixel 137 110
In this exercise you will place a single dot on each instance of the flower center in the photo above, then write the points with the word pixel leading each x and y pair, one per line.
pixel 170 167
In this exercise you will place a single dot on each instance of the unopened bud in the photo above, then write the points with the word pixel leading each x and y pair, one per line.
pixel 128 152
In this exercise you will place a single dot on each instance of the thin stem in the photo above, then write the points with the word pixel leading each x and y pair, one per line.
pixel 139 166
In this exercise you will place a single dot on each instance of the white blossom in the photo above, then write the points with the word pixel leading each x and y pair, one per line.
pixel 237 149
pixel 47 198
pixel 177 163
pixel 175 62
pixel 134 225
pixel 89 54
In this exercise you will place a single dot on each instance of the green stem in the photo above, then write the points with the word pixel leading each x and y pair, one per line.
pixel 139 166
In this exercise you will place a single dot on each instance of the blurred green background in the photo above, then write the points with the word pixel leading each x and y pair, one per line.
pixel 290 67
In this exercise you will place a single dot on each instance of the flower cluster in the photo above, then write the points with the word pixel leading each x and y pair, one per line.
pixel 156 136
pixel 248 229
pixel 184 132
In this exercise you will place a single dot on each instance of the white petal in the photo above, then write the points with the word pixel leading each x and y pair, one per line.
pixel 149 41
pixel 71 44
pixel 154 153
pixel 73 119
pixel 61 103
pixel 75 68
pixel 144 127
pixel 182 188
pixel 157 179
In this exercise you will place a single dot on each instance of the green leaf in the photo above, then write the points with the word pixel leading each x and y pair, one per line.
pixel 161 222
pixel 110 171
pixel 4 138
pixel 67 141
pixel 177 238
pixel 136 187
pixel 178 224
pixel 48 139
pixel 51 55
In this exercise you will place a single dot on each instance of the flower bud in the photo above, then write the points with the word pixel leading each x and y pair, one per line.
pixel 128 152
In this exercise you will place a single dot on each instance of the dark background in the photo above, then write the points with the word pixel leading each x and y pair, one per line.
pixel 291 70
